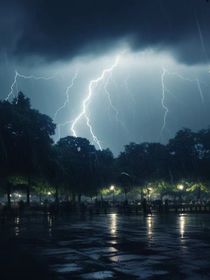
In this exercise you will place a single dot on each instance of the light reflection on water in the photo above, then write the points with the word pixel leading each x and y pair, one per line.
pixel 50 223
pixel 149 221
pixel 156 224
pixel 182 224
pixel 135 240
pixel 17 226
pixel 113 224
pixel 156 228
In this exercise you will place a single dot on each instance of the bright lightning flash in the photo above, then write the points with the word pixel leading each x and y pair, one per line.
pixel 86 101
pixel 30 77
pixel 67 95
pixel 164 89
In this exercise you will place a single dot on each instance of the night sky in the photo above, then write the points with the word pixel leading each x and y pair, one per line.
pixel 160 85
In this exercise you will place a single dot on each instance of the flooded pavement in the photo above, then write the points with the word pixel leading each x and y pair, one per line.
pixel 116 246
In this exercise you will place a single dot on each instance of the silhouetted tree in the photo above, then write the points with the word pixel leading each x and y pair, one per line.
pixel 184 156
pixel 77 158
pixel 25 139
pixel 105 168
pixel 74 167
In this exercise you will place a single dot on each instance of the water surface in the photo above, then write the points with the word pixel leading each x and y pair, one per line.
pixel 115 246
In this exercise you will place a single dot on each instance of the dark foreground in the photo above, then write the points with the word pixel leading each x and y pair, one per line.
pixel 108 246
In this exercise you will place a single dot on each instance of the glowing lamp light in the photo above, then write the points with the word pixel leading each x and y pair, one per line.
pixel 180 187
pixel 112 188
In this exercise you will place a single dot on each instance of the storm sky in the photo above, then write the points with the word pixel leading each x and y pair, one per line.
pixel 162 74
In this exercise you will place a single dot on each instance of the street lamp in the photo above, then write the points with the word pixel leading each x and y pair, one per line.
pixel 112 189
pixel 180 187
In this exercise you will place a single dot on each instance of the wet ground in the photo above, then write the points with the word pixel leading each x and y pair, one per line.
pixel 111 246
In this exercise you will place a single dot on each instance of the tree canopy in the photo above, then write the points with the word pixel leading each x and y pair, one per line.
pixel 73 166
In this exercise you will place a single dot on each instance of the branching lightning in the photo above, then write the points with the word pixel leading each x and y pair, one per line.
pixel 165 72
pixel 86 101
pixel 104 79
pixel 196 81
pixel 116 112
pixel 165 108
pixel 18 75
pixel 67 95
pixel 113 107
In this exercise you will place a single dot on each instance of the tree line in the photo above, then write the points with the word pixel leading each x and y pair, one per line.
pixel 30 161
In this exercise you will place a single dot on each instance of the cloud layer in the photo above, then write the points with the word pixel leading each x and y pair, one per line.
pixel 56 30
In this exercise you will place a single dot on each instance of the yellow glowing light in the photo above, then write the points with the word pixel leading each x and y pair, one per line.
pixel 180 187
pixel 113 223
pixel 149 226
pixel 182 226
pixel 112 188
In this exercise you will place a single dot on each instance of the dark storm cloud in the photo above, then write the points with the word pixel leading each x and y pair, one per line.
pixel 62 29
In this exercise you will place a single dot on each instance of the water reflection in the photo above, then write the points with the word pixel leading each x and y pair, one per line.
pixel 17 226
pixel 138 245
pixel 182 223
pixel 113 224
pixel 50 222
pixel 149 221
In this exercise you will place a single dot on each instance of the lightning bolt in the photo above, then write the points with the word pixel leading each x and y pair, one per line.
pixel 165 108
pixel 114 109
pixel 116 112
pixel 201 38
pixel 18 75
pixel 86 101
pixel 165 90
pixel 67 93
pixel 196 81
